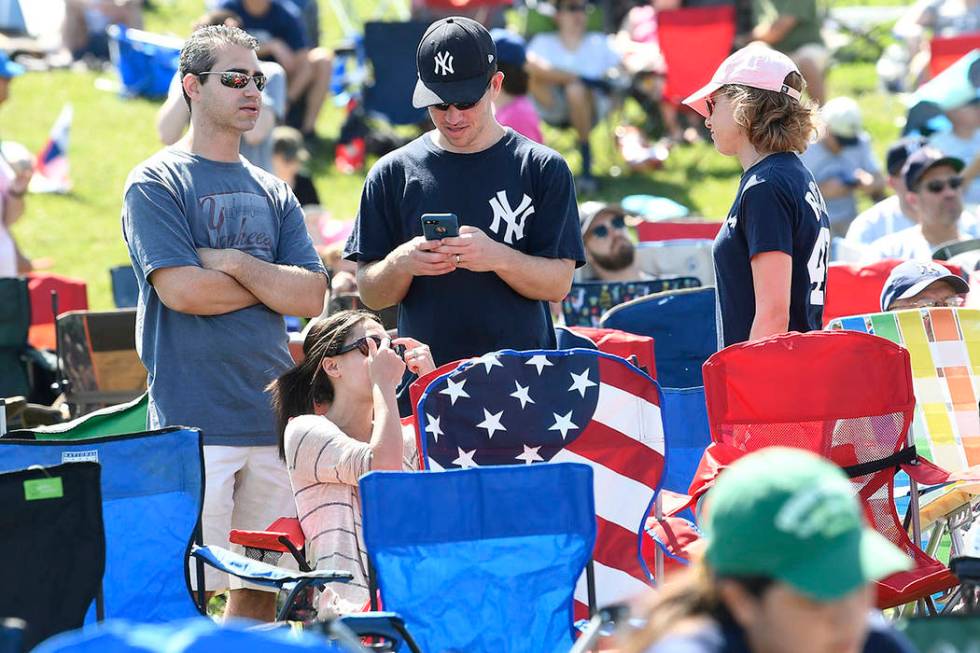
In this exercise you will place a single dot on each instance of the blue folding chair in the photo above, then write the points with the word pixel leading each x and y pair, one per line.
pixel 187 636
pixel 681 322
pixel 587 301
pixel 390 47
pixel 125 287
pixel 481 559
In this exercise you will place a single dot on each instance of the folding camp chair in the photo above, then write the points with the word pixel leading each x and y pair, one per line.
pixel 72 295
pixel 856 289
pixel 125 287
pixel 637 349
pixel 946 252
pixel 114 420
pixel 846 396
pixel 146 62
pixel 587 301
pixel 690 68
pixel 944 348
pixel 681 322
pixel 192 636
pixel 940 633
pixel 390 47
pixel 97 352
pixel 653 231
pixel 945 51
pixel 481 559
pixel 15 318
pixel 512 408
pixel 12 635
pixel 678 258
pixel 54 547
pixel 152 492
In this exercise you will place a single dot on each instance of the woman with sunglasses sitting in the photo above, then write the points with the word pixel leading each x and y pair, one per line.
pixel 337 418
pixel 771 254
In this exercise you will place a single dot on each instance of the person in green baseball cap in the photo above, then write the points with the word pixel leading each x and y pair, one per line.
pixel 789 566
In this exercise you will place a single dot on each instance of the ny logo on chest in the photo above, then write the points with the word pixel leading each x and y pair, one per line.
pixel 514 219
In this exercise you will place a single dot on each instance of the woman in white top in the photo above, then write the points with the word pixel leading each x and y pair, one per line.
pixel 337 420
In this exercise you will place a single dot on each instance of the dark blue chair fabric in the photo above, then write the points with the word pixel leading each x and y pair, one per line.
pixel 685 416
pixel 682 323
pixel 481 559
pixel 568 339
pixel 186 636
pixel 125 288
pixel 391 47
pixel 152 492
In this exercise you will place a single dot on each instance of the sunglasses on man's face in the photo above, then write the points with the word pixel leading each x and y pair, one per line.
pixel 939 185
pixel 234 79
pixel 460 106
pixel 618 222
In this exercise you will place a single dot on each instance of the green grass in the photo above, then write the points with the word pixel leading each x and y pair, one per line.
pixel 110 135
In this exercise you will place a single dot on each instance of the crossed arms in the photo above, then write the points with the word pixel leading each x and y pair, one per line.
pixel 229 280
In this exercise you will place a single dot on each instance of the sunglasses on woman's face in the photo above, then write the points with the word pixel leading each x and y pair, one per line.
pixel 234 79
pixel 939 185
pixel 361 345
pixel 618 222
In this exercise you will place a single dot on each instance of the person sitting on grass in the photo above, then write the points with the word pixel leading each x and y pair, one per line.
pixel 337 418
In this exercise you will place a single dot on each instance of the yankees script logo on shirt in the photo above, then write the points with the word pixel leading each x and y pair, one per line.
pixel 444 63
pixel 515 219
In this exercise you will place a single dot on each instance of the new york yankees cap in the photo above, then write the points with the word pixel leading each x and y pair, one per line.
pixel 912 277
pixel 455 59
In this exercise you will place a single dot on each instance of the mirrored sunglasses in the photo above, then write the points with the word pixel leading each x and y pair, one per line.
pixel 234 79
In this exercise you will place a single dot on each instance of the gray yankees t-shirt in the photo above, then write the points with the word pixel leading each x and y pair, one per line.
pixel 211 372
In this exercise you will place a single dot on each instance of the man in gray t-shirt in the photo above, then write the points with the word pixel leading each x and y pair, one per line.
pixel 221 253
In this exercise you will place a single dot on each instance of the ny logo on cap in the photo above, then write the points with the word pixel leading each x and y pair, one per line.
pixel 444 63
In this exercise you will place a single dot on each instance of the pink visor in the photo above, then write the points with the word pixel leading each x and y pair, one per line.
pixel 756 66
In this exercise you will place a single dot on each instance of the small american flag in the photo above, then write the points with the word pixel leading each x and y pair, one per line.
pixel 581 406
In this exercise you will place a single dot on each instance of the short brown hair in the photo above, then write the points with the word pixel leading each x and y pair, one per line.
pixel 774 122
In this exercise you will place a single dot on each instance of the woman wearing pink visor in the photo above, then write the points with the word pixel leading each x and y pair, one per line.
pixel 771 255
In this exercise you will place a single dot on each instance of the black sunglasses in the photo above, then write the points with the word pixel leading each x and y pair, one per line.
pixel 939 185
pixel 234 79
pixel 361 345
pixel 618 222
pixel 460 106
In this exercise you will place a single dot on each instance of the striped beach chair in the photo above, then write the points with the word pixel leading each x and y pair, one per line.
pixel 944 349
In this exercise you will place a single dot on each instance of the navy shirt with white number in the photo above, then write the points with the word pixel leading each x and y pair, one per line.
pixel 778 209
pixel 517 192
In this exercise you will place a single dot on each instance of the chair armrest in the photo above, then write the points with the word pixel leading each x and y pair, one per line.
pixel 262 573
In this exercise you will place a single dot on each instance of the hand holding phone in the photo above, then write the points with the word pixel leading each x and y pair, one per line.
pixel 436 226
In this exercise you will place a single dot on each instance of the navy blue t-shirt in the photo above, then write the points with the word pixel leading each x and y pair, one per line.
pixel 778 209
pixel 518 192
pixel 283 21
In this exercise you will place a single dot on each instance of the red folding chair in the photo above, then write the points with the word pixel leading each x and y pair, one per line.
pixel 856 289
pixel 678 230
pixel 694 41
pixel 945 51
pixel 848 397
pixel 72 296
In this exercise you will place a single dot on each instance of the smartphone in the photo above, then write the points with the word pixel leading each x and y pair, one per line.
pixel 436 226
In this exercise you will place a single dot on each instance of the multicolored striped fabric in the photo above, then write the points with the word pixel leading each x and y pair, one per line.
pixel 944 347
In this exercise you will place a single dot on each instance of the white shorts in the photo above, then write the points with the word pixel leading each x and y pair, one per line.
pixel 245 488
pixel 816 53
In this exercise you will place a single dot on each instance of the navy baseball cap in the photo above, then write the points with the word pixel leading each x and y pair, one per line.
pixel 455 60
pixel 912 277
pixel 9 68
pixel 511 48
pixel 925 159
pixel 900 151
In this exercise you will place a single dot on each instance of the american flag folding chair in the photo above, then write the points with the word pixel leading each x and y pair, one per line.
pixel 846 396
pixel 583 406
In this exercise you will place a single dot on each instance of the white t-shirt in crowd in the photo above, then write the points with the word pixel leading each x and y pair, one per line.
pixel 8 252
pixel 886 217
pixel 592 60
pixel 825 165
pixel 911 244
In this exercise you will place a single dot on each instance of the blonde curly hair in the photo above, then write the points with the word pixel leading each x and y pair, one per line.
pixel 774 122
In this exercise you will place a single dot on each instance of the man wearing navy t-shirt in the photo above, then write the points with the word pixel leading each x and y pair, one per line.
pixel 519 240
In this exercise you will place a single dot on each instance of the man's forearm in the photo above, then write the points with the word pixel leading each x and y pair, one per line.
pixel 285 289
pixel 199 291
pixel 536 277
pixel 382 283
